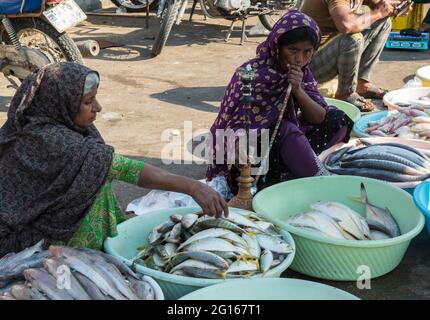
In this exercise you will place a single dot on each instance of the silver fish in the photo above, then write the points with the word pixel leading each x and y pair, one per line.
pixel 204 256
pixel 252 245
pixel 43 281
pixel 208 233
pixel 165 227
pixel 13 259
pixel 12 271
pixel 378 235
pixel 243 221
pixel 91 288
pixel 188 220
pixel 380 216
pixel 21 292
pixel 235 239
pixel 347 219
pixel 383 165
pixel 266 260
pixel 273 244
pixel 57 267
pixel 143 289
pixel 218 223
pixel 240 265
pixel 154 236
pixel 176 218
pixel 203 273
pixel 176 231
pixel 195 264
pixel 214 244
pixel 83 265
pixel 170 249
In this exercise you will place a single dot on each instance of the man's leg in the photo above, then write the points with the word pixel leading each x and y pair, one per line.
pixel 374 42
pixel 341 57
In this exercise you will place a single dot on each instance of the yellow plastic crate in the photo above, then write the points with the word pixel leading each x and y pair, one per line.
pixel 412 20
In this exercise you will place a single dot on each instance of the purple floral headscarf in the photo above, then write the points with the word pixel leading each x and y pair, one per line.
pixel 269 89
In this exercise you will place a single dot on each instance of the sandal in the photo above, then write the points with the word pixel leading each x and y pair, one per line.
pixel 374 93
pixel 360 102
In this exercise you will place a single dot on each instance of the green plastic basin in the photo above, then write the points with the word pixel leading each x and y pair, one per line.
pixel 270 289
pixel 351 111
pixel 336 259
pixel 134 232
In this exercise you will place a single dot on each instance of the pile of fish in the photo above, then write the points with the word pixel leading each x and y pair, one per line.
pixel 390 162
pixel 194 245
pixel 408 122
pixel 64 273
pixel 337 220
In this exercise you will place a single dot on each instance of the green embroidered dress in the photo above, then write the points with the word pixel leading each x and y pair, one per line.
pixel 105 213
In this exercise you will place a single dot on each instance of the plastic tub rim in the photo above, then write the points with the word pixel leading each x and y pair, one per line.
pixel 343 292
pixel 199 282
pixel 339 242
pixel 420 206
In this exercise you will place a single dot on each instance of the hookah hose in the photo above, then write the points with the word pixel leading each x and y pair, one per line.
pixel 275 132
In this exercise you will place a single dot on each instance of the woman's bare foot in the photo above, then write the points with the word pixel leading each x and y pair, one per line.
pixel 370 91
pixel 424 27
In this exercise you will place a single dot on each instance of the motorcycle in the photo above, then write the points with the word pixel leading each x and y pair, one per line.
pixel 134 5
pixel 33 34
pixel 268 11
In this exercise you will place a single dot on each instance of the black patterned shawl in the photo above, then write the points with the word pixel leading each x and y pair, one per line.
pixel 50 169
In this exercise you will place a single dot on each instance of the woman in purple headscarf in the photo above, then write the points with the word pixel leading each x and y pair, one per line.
pixel 309 125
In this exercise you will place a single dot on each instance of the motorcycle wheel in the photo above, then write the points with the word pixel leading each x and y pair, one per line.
pixel 268 20
pixel 38 34
pixel 209 9
pixel 168 18
pixel 135 5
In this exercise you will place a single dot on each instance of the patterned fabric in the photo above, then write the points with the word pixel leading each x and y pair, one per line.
pixel 52 170
pixel 105 213
pixel 351 57
pixel 269 90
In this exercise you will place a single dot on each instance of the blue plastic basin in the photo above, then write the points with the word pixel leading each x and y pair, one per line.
pixel 422 200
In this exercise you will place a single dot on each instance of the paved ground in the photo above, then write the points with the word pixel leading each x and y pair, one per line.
pixel 186 83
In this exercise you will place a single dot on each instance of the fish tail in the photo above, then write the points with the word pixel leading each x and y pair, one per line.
pixel 363 194
pixel 222 274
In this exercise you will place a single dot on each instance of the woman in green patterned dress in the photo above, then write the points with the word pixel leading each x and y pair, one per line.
pixel 57 171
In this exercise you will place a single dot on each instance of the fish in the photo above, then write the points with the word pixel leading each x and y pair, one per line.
pixel 21 292
pixel 379 216
pixel 203 256
pixel 43 281
pixel 165 227
pixel 154 236
pixel 320 222
pixel 383 165
pixel 195 264
pixel 273 244
pixel 188 220
pixel 421 119
pixel 170 249
pixel 335 156
pixel 240 265
pixel 83 265
pixel 252 244
pixel 348 220
pixel 266 260
pixel 380 174
pixel 143 289
pixel 36 294
pixel 204 273
pixel 218 223
pixel 162 253
pixel 90 287
pixel 176 231
pixel 225 254
pixel 55 266
pixel 214 244
pixel 378 235
pixel 176 218
pixel 235 239
pixel 243 221
pixel 207 233
pixel 15 271
pixel 14 259
pixel 158 260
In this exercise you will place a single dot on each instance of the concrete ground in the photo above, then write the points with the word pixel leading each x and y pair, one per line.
pixel 186 83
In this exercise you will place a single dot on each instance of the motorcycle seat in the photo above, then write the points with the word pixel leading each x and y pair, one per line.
pixel 14 6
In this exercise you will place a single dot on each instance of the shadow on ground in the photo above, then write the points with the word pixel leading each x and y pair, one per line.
pixel 138 43
pixel 197 98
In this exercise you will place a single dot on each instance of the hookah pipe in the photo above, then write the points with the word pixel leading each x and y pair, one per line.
pixel 243 199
